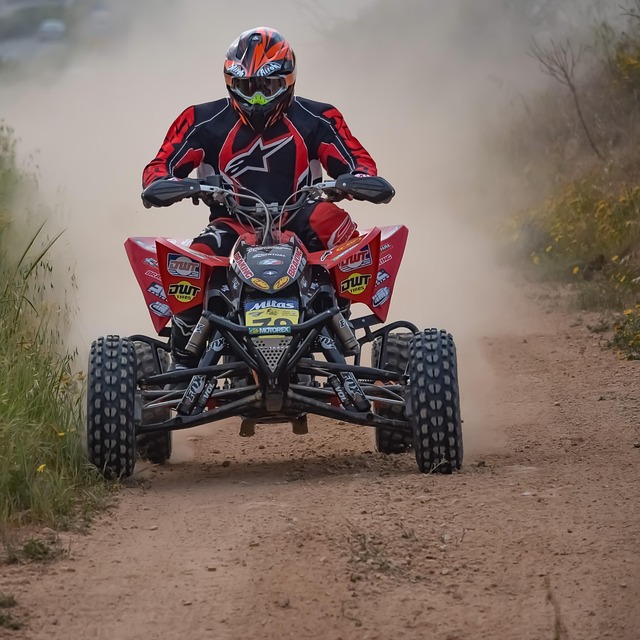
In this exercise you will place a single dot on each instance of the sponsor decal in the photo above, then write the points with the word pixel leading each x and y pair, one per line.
pixel 295 263
pixel 325 255
pixel 157 290
pixel 383 276
pixel 270 273
pixel 144 245
pixel 224 288
pixel 236 70
pixel 385 259
pixel 342 396
pixel 265 331
pixel 218 345
pixel 183 291
pixel 326 342
pixel 183 267
pixel 195 388
pixel 381 296
pixel 283 282
pixel 385 247
pixel 153 274
pixel 351 384
pixel 355 284
pixel 258 158
pixel 260 284
pixel 341 249
pixel 268 68
pixel 160 309
pixel 358 260
pixel 236 284
pixel 269 262
pixel 270 304
pixel 152 262
pixel 242 266
pixel 200 327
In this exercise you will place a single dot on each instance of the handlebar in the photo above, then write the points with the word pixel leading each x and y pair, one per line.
pixel 164 193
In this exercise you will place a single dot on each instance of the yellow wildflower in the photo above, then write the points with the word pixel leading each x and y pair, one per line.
pixel 41 468
pixel 576 271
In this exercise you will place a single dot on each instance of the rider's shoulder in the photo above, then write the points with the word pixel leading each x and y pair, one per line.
pixel 207 111
pixel 313 107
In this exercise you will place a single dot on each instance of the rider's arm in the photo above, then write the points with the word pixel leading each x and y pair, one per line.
pixel 339 150
pixel 180 153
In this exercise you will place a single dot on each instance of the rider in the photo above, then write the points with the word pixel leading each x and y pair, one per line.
pixel 263 138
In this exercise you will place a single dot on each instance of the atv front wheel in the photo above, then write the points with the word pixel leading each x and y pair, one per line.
pixel 433 402
pixel 155 447
pixel 111 397
pixel 389 440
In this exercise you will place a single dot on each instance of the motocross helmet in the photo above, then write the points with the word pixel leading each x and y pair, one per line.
pixel 260 72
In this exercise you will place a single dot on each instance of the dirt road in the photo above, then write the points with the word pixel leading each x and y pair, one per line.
pixel 283 536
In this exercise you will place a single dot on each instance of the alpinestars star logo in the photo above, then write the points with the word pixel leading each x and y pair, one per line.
pixel 256 158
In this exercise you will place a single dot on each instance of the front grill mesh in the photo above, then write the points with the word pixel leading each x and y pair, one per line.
pixel 272 349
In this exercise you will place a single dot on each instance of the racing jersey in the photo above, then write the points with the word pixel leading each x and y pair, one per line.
pixel 288 155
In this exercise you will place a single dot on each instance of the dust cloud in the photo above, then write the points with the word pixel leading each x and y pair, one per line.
pixel 418 85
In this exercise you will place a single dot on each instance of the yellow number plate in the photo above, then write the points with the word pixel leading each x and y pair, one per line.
pixel 271 317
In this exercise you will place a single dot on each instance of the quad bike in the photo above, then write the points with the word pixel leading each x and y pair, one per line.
pixel 276 340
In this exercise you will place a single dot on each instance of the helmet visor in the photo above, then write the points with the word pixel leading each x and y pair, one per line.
pixel 259 90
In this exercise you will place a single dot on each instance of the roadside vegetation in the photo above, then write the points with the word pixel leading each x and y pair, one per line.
pixel 44 476
pixel 576 147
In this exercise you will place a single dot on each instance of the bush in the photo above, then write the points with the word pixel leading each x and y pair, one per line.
pixel 626 336
pixel 587 229
pixel 43 472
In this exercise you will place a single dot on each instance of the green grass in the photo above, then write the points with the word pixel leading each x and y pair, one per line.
pixel 44 475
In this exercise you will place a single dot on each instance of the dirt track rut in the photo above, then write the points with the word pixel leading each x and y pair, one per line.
pixel 283 536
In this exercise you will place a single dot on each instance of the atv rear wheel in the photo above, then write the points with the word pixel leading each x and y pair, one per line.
pixel 111 398
pixel 389 440
pixel 433 402
pixel 155 447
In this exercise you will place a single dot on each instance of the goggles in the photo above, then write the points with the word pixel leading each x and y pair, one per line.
pixel 259 90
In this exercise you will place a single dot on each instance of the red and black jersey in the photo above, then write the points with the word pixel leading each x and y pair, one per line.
pixel 288 155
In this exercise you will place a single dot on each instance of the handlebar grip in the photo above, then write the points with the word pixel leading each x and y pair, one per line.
pixel 164 193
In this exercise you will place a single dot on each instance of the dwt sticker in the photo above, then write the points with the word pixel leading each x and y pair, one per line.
pixel 183 267
pixel 183 291
pixel 358 260
pixel 355 284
